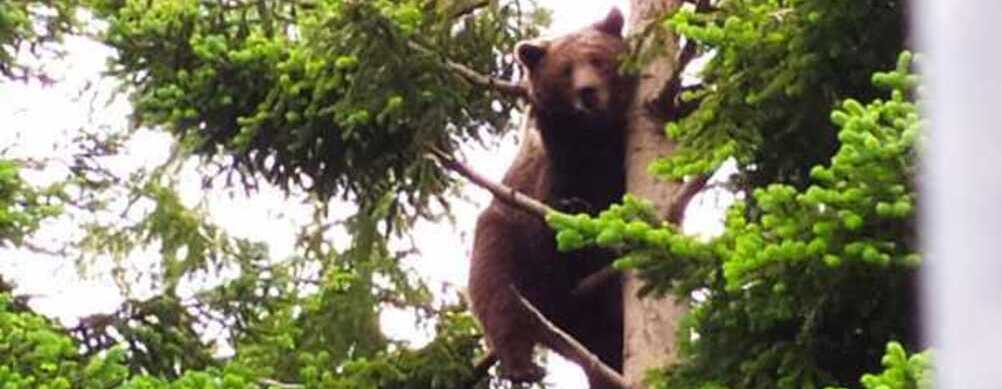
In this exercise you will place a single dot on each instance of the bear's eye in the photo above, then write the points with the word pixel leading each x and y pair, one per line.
pixel 566 70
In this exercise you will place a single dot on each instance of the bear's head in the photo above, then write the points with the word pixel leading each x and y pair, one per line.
pixel 577 76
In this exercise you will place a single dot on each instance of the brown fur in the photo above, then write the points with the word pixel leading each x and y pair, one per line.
pixel 571 157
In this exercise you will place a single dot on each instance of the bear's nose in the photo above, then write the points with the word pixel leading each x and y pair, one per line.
pixel 589 97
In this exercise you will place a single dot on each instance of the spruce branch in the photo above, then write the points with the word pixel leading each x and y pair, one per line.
pixel 505 87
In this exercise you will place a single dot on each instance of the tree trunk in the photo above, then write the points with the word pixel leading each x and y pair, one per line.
pixel 649 324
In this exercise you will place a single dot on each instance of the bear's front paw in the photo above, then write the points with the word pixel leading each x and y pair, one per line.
pixel 524 374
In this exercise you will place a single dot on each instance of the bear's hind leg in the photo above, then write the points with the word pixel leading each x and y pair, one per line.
pixel 514 351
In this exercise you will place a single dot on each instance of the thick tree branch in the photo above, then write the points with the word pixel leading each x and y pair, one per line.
pixel 504 87
pixel 501 192
pixel 580 353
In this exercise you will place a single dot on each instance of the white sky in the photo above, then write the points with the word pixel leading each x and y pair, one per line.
pixel 37 120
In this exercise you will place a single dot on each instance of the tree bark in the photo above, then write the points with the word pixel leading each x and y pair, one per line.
pixel 649 323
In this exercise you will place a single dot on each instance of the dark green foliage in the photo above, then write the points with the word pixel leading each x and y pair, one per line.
pixel 322 98
pixel 776 69
pixel 806 292
pixel 443 364
pixel 22 207
pixel 330 96
pixel 901 371
pixel 300 320
pixel 37 354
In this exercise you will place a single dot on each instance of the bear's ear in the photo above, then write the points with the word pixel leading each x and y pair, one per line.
pixel 529 53
pixel 612 24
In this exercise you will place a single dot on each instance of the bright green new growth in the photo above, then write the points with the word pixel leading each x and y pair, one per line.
pixel 775 70
pixel 22 207
pixel 813 271
pixel 901 371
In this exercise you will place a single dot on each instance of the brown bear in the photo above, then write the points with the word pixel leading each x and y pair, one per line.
pixel 571 158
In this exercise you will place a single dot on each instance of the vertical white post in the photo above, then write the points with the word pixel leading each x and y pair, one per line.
pixel 962 189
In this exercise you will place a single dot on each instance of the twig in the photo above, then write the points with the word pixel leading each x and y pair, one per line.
pixel 38 249
pixel 505 87
pixel 589 361
pixel 500 191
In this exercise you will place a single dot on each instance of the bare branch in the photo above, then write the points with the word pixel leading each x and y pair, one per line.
pixel 469 9
pixel 500 191
pixel 588 361
pixel 686 192
pixel 670 97
pixel 504 87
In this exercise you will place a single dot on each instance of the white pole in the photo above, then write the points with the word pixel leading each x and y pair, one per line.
pixel 962 189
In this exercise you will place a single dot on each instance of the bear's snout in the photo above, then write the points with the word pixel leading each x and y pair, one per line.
pixel 588 99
